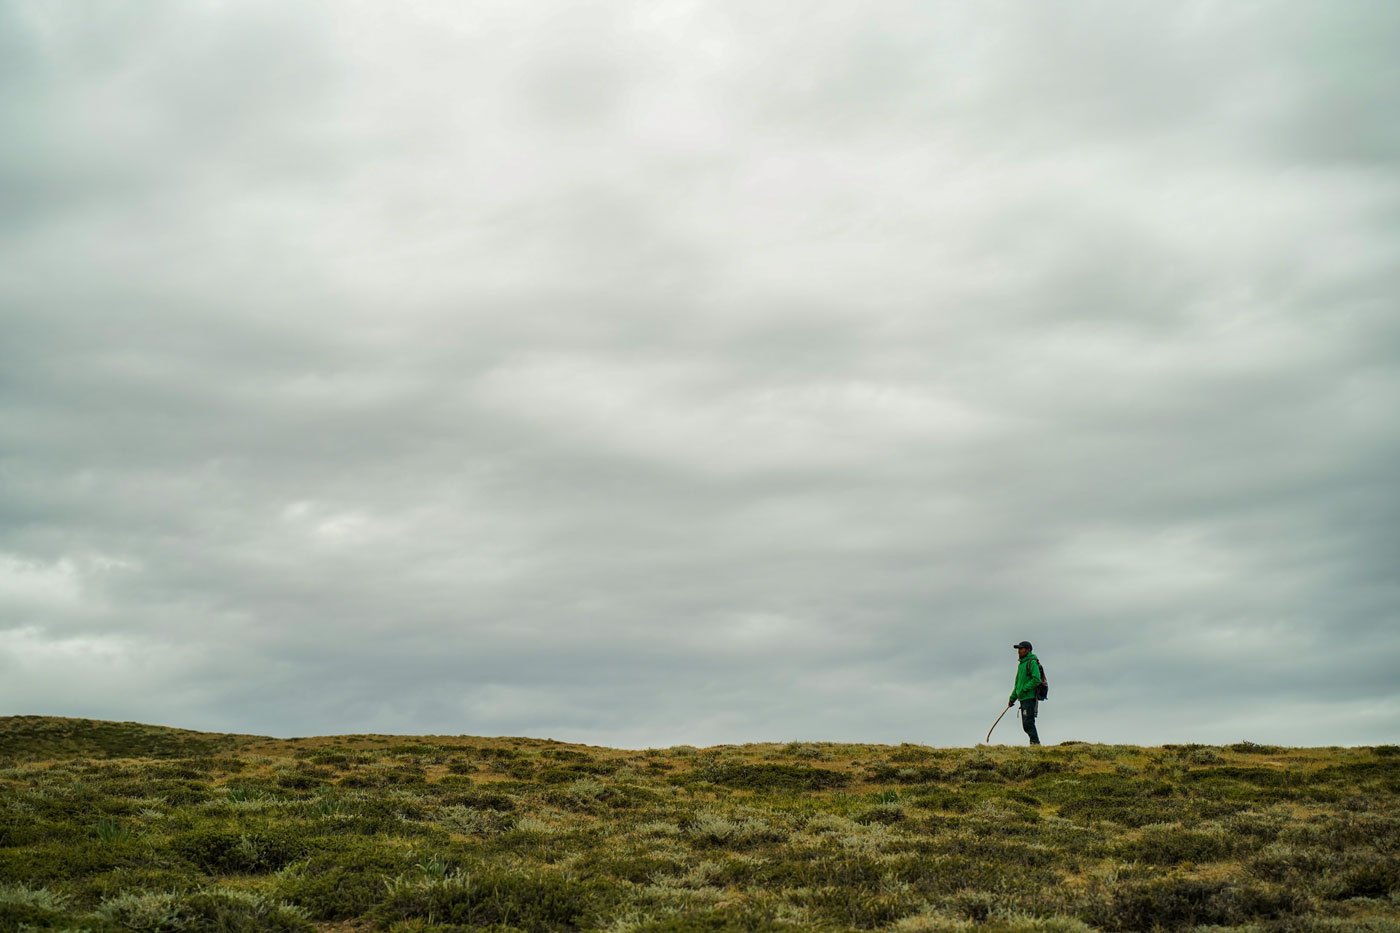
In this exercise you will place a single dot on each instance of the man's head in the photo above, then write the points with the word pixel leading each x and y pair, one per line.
pixel 1022 648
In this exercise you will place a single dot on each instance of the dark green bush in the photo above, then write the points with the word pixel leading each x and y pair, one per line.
pixel 501 753
pixel 478 800
pixel 20 829
pixel 212 911
pixel 1127 813
pixel 573 770
pixel 637 867
pixel 1365 875
pixel 985 848
pixel 380 777
pixel 480 896
pixel 50 862
pixel 885 813
pixel 96 888
pixel 306 778
pixel 1255 826
pixel 771 777
pixel 1291 864
pixel 519 769
pixel 1020 769
pixel 1259 777
pixel 235 851
pixel 944 875
pixel 369 813
pixel 858 907
pixel 1349 831
pixel 414 749
pixel 560 775
pixel 735 919
pixel 188 769
pixel 251 789
pixel 1182 903
pixel 904 774
pixel 953 801
pixel 907 753
pixel 1174 845
pixel 179 793
pixel 344 884
pixel 23 907
pixel 804 868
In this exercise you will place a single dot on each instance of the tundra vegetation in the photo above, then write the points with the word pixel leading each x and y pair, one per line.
pixel 119 827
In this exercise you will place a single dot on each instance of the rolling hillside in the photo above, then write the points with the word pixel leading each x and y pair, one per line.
pixel 121 826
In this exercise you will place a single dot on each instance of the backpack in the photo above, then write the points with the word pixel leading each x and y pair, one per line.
pixel 1042 689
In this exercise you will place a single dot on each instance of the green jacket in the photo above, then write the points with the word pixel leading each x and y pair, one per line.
pixel 1027 677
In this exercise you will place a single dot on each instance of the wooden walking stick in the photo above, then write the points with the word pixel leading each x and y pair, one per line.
pixel 994 725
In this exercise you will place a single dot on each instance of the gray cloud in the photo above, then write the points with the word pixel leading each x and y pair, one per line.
pixel 701 373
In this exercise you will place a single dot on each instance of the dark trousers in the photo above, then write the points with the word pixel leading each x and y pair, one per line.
pixel 1028 710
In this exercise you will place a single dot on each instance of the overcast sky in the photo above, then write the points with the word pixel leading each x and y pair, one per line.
pixel 702 372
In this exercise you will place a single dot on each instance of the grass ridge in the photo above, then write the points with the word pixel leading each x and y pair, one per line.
pixel 124 826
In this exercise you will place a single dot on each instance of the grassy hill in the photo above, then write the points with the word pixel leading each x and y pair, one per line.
pixel 119 826
pixel 52 737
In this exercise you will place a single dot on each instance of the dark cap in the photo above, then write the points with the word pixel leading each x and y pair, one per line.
pixel 1024 644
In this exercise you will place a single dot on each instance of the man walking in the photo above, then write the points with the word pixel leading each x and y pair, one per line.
pixel 1028 677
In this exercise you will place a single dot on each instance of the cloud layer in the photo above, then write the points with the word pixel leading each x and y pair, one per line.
pixel 701 373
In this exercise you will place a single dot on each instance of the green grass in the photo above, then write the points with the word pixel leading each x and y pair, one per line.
pixel 119 826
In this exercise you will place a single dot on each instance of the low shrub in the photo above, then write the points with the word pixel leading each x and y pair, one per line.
pixel 482 896
pixel 1364 875
pixel 479 800
pixel 102 887
pixel 473 822
pixel 233 851
pixel 883 813
pixel 344 884
pixel 1348 831
pixel 715 829
pixel 223 911
pixel 1256 826
pixel 1022 768
pixel 943 875
pixel 727 919
pixel 1177 903
pixel 806 868
pixel 637 867
pixel 1131 811
pixel 1173 845
pixel 1284 863
pixel 305 778
pixel 858 907
pixel 949 800
pixel 22 905
pixel 803 750
pixel 379 776
pixel 904 774
pixel 771 777
pixel 53 862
